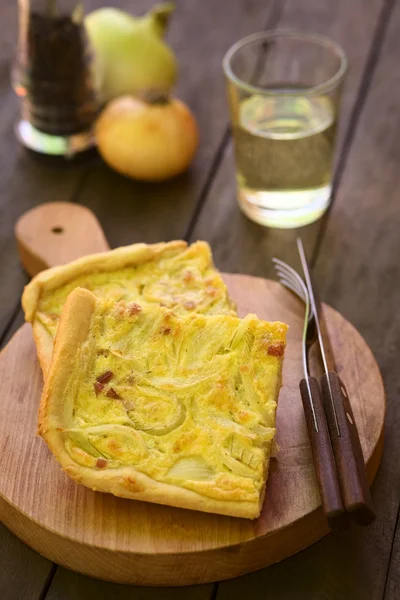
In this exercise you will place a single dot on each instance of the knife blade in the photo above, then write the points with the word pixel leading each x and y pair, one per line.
pixel 325 346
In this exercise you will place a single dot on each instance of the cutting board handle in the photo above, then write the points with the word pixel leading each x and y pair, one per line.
pixel 55 233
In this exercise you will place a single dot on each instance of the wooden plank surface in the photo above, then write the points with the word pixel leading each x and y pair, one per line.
pixel 362 282
pixel 67 585
pixel 23 572
pixel 358 271
pixel 393 581
pixel 238 244
pixel 24 184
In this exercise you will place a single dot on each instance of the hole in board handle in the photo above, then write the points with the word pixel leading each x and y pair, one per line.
pixel 57 230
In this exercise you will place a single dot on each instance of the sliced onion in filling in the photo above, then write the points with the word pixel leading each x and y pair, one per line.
pixel 142 421
pixel 193 468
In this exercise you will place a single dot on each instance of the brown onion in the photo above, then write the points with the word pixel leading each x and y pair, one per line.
pixel 149 141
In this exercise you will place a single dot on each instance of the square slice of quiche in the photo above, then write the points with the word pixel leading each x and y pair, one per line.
pixel 166 408
pixel 173 274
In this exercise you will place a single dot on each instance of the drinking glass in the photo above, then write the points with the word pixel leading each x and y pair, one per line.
pixel 284 93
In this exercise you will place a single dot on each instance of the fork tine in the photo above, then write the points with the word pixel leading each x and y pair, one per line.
pixel 295 290
pixel 284 277
pixel 288 285
pixel 289 277
pixel 291 280
pixel 289 271
pixel 279 264
pixel 282 273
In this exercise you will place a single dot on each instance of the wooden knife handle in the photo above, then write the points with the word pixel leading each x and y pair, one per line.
pixel 324 462
pixel 55 233
pixel 347 450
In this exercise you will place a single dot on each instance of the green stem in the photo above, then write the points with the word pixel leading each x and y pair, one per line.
pixel 160 15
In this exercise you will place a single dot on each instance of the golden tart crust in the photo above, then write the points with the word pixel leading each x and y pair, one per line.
pixel 173 274
pixel 149 405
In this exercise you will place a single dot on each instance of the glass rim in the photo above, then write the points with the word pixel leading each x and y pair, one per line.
pixel 323 40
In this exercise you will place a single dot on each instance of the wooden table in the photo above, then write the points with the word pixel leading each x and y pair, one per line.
pixel 355 250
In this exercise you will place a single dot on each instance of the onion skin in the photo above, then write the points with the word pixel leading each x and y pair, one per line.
pixel 147 141
pixel 130 54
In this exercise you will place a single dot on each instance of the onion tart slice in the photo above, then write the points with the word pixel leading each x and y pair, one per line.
pixel 177 409
pixel 172 274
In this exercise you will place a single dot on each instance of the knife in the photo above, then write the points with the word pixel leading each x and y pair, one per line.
pixel 341 423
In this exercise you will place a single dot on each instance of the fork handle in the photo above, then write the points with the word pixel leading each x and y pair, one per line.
pixel 321 447
pixel 347 450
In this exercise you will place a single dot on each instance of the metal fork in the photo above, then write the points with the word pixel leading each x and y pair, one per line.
pixel 292 281
pixel 317 426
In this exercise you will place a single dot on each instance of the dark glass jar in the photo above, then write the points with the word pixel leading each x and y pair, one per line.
pixel 54 76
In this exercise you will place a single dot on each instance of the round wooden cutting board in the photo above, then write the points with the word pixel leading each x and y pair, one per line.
pixel 147 544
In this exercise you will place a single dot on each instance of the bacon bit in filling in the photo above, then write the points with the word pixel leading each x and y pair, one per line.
pixel 211 291
pixel 166 330
pixel 276 349
pixel 101 463
pixel 120 308
pixel 190 305
pixel 188 277
pixel 105 377
pixel 134 309
pixel 98 388
pixel 113 394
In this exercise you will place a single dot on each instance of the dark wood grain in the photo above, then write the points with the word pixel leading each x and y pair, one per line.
pixel 358 272
pixel 24 184
pixel 15 322
pixel 362 280
pixel 393 581
pixel 238 244
pixel 67 585
pixel 23 572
